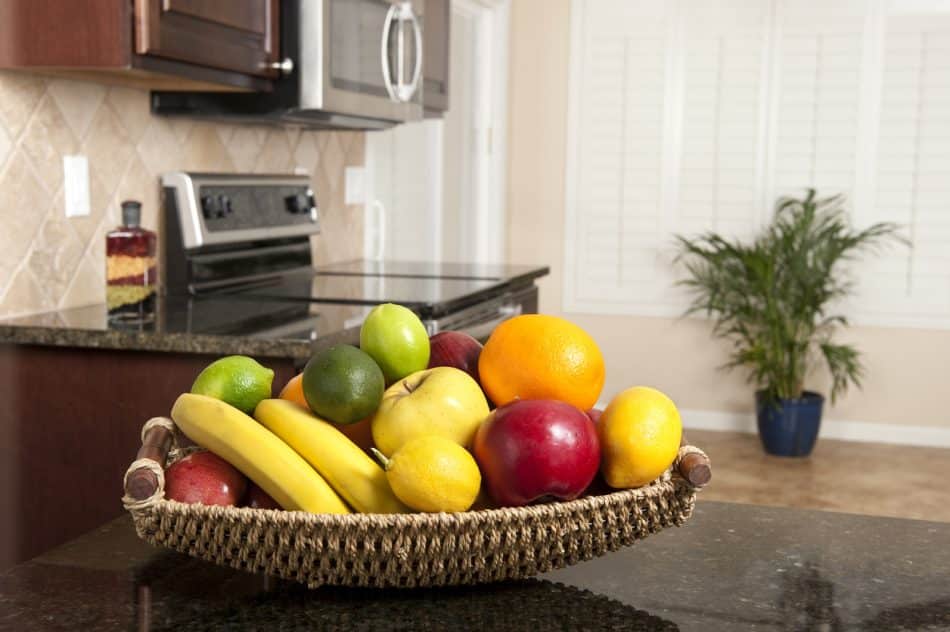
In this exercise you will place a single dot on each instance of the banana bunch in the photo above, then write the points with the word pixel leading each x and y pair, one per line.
pixel 303 462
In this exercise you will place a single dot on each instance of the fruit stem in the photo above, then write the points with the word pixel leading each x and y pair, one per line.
pixel 380 457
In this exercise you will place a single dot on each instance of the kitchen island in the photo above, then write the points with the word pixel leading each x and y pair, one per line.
pixel 730 567
pixel 81 387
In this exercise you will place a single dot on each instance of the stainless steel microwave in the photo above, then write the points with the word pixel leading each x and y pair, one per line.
pixel 347 63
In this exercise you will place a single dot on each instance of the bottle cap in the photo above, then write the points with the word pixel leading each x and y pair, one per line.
pixel 131 213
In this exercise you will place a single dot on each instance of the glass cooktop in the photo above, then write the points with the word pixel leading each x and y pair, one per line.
pixel 431 297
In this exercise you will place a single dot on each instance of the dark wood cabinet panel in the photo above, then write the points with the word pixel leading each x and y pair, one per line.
pixel 197 45
pixel 69 427
pixel 236 35
pixel 88 34
pixel 438 20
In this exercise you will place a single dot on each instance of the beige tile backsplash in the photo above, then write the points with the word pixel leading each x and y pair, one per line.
pixel 48 261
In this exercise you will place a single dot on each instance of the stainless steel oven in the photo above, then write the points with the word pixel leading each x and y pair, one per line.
pixel 237 251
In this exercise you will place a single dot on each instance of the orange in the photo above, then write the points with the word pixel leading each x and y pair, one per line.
pixel 536 356
pixel 293 391
pixel 359 432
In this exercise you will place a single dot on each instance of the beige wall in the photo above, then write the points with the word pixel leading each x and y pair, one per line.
pixel 48 261
pixel 907 369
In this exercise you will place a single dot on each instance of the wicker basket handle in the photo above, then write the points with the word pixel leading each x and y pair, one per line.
pixel 693 465
pixel 145 479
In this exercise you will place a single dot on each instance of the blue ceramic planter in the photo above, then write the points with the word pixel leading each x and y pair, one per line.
pixel 789 427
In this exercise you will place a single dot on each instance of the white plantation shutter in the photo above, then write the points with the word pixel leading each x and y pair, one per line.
pixel 818 95
pixel 719 169
pixel 912 175
pixel 696 115
pixel 620 139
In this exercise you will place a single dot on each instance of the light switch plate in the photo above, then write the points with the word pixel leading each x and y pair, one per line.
pixel 355 186
pixel 76 185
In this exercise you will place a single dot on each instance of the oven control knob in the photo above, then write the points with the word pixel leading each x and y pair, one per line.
pixel 298 204
pixel 210 206
pixel 225 203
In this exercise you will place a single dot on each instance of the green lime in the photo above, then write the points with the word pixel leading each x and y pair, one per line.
pixel 237 380
pixel 343 384
pixel 395 337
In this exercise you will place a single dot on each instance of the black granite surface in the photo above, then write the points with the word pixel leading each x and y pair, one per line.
pixel 261 322
pixel 218 326
pixel 731 567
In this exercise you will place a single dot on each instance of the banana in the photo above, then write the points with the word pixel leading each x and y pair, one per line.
pixel 260 455
pixel 349 470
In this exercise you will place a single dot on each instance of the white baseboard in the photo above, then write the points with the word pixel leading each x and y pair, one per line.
pixel 865 431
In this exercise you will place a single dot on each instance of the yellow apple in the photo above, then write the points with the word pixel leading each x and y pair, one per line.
pixel 443 401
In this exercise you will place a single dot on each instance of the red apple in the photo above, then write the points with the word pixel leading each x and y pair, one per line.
pixel 204 477
pixel 535 449
pixel 455 349
pixel 257 498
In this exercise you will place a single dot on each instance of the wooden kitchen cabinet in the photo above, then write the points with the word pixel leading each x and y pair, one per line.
pixel 156 44
pixel 436 63
pixel 70 421
pixel 237 35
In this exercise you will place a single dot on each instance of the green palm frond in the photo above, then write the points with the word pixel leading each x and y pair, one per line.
pixel 771 297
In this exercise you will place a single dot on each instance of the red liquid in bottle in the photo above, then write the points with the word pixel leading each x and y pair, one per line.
pixel 131 273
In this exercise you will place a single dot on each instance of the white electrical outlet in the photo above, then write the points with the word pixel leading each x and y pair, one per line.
pixel 355 186
pixel 76 185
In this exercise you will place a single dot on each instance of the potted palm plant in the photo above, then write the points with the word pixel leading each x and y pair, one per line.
pixel 774 299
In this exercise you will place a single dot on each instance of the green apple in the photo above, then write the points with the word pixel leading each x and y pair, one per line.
pixel 443 401
pixel 395 337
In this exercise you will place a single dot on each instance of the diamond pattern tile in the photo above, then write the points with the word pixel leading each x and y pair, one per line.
pixel 19 95
pixel 6 144
pixel 275 156
pixel 25 294
pixel 55 255
pixel 45 140
pixel 244 145
pixel 203 150
pixel 131 106
pixel 48 260
pixel 23 205
pixel 306 154
pixel 108 147
pixel 88 286
pixel 332 162
pixel 78 101
pixel 159 149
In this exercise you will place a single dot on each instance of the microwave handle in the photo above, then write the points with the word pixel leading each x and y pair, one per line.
pixel 384 52
pixel 401 92
pixel 410 89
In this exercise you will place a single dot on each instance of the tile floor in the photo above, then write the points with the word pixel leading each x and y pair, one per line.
pixel 865 478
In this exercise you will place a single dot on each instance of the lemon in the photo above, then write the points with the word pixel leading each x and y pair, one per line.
pixel 640 434
pixel 237 380
pixel 433 474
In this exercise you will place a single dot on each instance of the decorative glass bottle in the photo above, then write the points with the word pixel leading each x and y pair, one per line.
pixel 131 272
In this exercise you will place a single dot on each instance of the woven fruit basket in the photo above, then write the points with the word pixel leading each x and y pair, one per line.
pixel 403 550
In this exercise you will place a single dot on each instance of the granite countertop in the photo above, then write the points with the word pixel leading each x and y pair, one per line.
pixel 731 567
pixel 258 325
pixel 180 326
